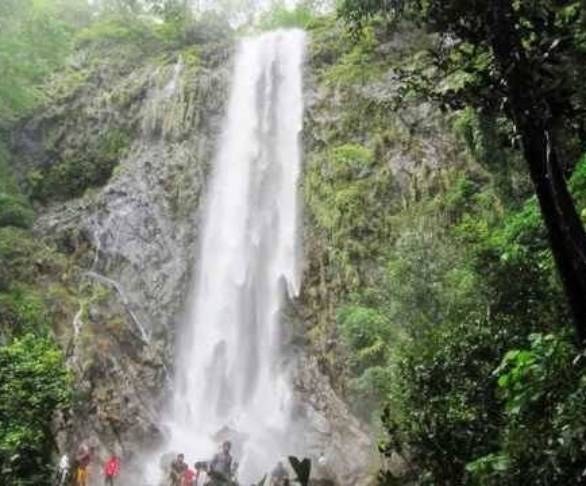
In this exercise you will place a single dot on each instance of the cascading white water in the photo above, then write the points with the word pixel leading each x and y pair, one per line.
pixel 231 370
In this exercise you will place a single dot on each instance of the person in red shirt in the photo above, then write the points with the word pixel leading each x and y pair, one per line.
pixel 188 477
pixel 111 470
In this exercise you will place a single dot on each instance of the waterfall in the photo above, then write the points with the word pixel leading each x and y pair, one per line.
pixel 231 373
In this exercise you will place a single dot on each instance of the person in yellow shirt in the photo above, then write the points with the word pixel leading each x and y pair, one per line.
pixel 83 461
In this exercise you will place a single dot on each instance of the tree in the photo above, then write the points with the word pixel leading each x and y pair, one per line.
pixel 35 38
pixel 170 10
pixel 533 61
pixel 33 384
pixel 122 6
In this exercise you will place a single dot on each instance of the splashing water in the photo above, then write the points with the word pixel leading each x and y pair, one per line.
pixel 231 371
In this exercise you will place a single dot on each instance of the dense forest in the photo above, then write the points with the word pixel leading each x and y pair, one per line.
pixel 444 193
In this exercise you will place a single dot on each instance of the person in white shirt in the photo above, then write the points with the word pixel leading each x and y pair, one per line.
pixel 201 474
pixel 63 470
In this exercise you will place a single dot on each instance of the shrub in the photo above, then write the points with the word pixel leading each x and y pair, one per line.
pixel 14 208
pixel 24 259
pixel 543 437
pixel 279 16
pixel 15 211
pixel 34 40
pixel 33 384
pixel 368 336
pixel 444 411
pixel 342 182
pixel 457 418
pixel 16 248
pixel 112 30
pixel 69 178
pixel 22 311
pixel 367 333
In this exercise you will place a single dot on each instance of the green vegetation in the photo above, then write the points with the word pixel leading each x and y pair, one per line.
pixel 344 190
pixel 33 384
pixel 518 47
pixel 93 167
pixel 453 318
pixel 35 39
pixel 14 208
pixel 433 296
pixel 360 63
pixel 463 343
pixel 279 16
pixel 14 211
pixel 53 53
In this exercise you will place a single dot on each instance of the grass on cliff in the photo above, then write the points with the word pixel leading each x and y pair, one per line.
pixel 15 210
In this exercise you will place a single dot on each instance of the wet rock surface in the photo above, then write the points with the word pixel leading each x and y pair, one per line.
pixel 339 445
pixel 131 242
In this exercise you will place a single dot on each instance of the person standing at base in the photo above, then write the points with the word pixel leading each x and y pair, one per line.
pixel 63 470
pixel 188 477
pixel 279 475
pixel 83 459
pixel 111 470
pixel 221 465
pixel 178 467
pixel 201 474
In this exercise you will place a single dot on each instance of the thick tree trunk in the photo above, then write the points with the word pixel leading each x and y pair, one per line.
pixel 532 118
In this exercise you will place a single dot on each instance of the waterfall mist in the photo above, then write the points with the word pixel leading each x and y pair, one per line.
pixel 232 371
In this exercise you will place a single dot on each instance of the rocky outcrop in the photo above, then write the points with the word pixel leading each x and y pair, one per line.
pixel 355 105
pixel 130 242
pixel 339 445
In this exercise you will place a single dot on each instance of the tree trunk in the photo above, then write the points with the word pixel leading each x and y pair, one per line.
pixel 532 118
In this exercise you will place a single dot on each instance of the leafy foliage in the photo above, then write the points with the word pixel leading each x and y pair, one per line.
pixel 479 292
pixel 280 16
pixel 71 177
pixel 443 411
pixel 15 211
pixel 112 30
pixel 14 208
pixel 465 74
pixel 34 39
pixel 22 311
pixel 542 440
pixel 346 192
pixel 468 402
pixel 33 384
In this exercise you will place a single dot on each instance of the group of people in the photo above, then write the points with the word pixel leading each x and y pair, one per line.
pixel 182 475
pixel 221 470
pixel 79 474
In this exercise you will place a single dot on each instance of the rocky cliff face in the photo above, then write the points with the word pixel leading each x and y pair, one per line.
pixel 372 152
pixel 131 241
pixel 117 164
